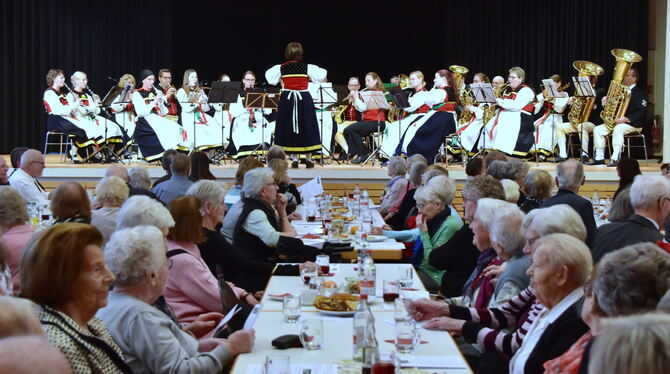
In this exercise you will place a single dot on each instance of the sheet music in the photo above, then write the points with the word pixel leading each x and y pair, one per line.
pixel 583 87
pixel 374 99
pixel 551 88
pixel 483 92
pixel 311 189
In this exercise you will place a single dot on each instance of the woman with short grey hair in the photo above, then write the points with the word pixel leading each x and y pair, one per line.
pixel 398 215
pixel 15 232
pixel 393 192
pixel 152 342
pixel 111 192
pixel 142 210
pixel 139 178
pixel 559 218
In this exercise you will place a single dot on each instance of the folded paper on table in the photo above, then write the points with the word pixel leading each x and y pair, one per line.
pixel 311 189
pixel 433 362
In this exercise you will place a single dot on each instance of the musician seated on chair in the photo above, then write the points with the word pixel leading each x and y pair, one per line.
pixel 632 123
pixel 373 120
pixel 346 115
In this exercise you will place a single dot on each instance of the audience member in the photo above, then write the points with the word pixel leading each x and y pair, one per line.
pixel 111 193
pixel 151 342
pixel 474 167
pixel 15 156
pixel 493 156
pixel 433 171
pixel 24 180
pixel 144 211
pixel 285 184
pixel 569 178
pixel 398 216
pixel 17 317
pixel 63 270
pixel 495 168
pixel 650 198
pixel 138 177
pixel 626 169
pixel 537 186
pixel 166 161
pixel 121 172
pixel 458 255
pixel 633 344
pixel 178 183
pixel 511 190
pixel 275 152
pixel 621 207
pixel 396 169
pixel 31 354
pixel 15 232
pixel 665 170
pixel 69 203
pixel 4 169
pixel 233 194
pixel 200 167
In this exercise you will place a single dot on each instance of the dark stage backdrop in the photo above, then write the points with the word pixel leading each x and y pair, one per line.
pixel 109 38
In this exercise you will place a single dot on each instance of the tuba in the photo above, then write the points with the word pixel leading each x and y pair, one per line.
pixel 394 113
pixel 582 106
pixel 618 95
pixel 464 94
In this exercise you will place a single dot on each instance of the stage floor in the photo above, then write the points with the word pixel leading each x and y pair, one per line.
pixel 332 172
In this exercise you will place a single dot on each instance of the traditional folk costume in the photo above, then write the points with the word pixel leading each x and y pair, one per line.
pixel 427 135
pixel 124 113
pixel 202 129
pixel 371 120
pixel 297 129
pixel 88 111
pixel 469 133
pixel 61 118
pixel 545 126
pixel 173 107
pixel 395 131
pixel 154 133
pixel 511 129
pixel 249 128
pixel 348 116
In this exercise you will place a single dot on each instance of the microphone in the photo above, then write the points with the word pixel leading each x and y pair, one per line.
pixel 203 83
pixel 112 79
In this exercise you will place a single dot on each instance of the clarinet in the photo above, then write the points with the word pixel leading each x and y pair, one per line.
pixel 82 108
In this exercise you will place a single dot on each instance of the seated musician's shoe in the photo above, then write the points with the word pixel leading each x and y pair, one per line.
pixel 343 157
pixel 612 163
pixel 596 162
pixel 542 158
pixel 585 159
pixel 309 164
pixel 294 164
pixel 560 159
pixel 360 159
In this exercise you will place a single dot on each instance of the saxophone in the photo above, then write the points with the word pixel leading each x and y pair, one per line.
pixel 466 99
pixel 582 106
pixel 490 110
pixel 618 95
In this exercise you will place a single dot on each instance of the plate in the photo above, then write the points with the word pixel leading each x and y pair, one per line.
pixel 376 238
pixel 279 297
pixel 348 313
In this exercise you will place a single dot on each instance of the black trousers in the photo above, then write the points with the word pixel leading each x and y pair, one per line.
pixel 355 132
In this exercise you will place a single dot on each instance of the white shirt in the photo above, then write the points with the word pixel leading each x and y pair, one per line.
pixel 535 331
pixel 28 188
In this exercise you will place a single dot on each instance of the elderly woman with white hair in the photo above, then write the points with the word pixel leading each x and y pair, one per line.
pixel 393 192
pixel 151 342
pixel 139 178
pixel 263 232
pixel 650 198
pixel 435 225
pixel 142 210
pixel 398 215
pixel 111 192
pixel 15 233
pixel 489 327
pixel 629 281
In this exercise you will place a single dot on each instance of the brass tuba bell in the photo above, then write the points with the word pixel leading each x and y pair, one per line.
pixel 404 81
pixel 582 106
pixel 459 73
pixel 618 95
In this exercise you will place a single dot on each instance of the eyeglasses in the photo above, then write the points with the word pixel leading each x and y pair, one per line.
pixel 531 241
pixel 422 205
pixel 39 162
pixel 271 184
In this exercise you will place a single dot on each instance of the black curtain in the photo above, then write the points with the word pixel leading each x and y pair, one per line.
pixel 110 38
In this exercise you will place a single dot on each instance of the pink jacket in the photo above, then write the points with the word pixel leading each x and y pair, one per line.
pixel 192 289
pixel 14 242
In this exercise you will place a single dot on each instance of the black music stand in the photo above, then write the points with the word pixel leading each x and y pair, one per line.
pixel 327 96
pixel 124 99
pixel 483 93
pixel 375 100
pixel 223 93
pixel 583 88
pixel 400 99
pixel 262 98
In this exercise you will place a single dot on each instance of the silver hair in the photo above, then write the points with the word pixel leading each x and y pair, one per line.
pixel 133 252
pixel 648 190
pixel 439 189
pixel 430 174
pixel 496 169
pixel 511 189
pixel 515 169
pixel 566 250
pixel 142 210
pixel 397 166
pixel 570 174
pixel 112 190
pixel 255 180
pixel 13 208
pixel 77 74
pixel 632 344
pixel 139 178
pixel 506 230
pixel 560 218
pixel 631 280
pixel 208 191
pixel 416 170
pixel 487 208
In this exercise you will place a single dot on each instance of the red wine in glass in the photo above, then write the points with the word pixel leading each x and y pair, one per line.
pixel 325 269
pixel 311 218
pixel 383 368
pixel 306 279
pixel 390 296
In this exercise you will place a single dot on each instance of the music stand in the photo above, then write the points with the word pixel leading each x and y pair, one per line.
pixel 327 97
pixel 583 88
pixel 375 100
pixel 223 93
pixel 400 99
pixel 261 98
pixel 483 93
pixel 124 99
pixel 552 92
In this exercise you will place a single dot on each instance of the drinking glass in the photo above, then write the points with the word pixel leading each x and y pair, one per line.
pixel 391 290
pixel 386 362
pixel 323 262
pixel 405 277
pixel 311 333
pixel 407 336
pixel 291 308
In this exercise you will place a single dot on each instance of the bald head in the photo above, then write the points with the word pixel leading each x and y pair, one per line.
pixel 497 80
pixel 570 175
pixel 31 354
pixel 118 171
pixel 32 162
pixel 18 318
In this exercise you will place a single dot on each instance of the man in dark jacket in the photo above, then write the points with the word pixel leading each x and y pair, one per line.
pixel 569 178
pixel 632 123
pixel 650 198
